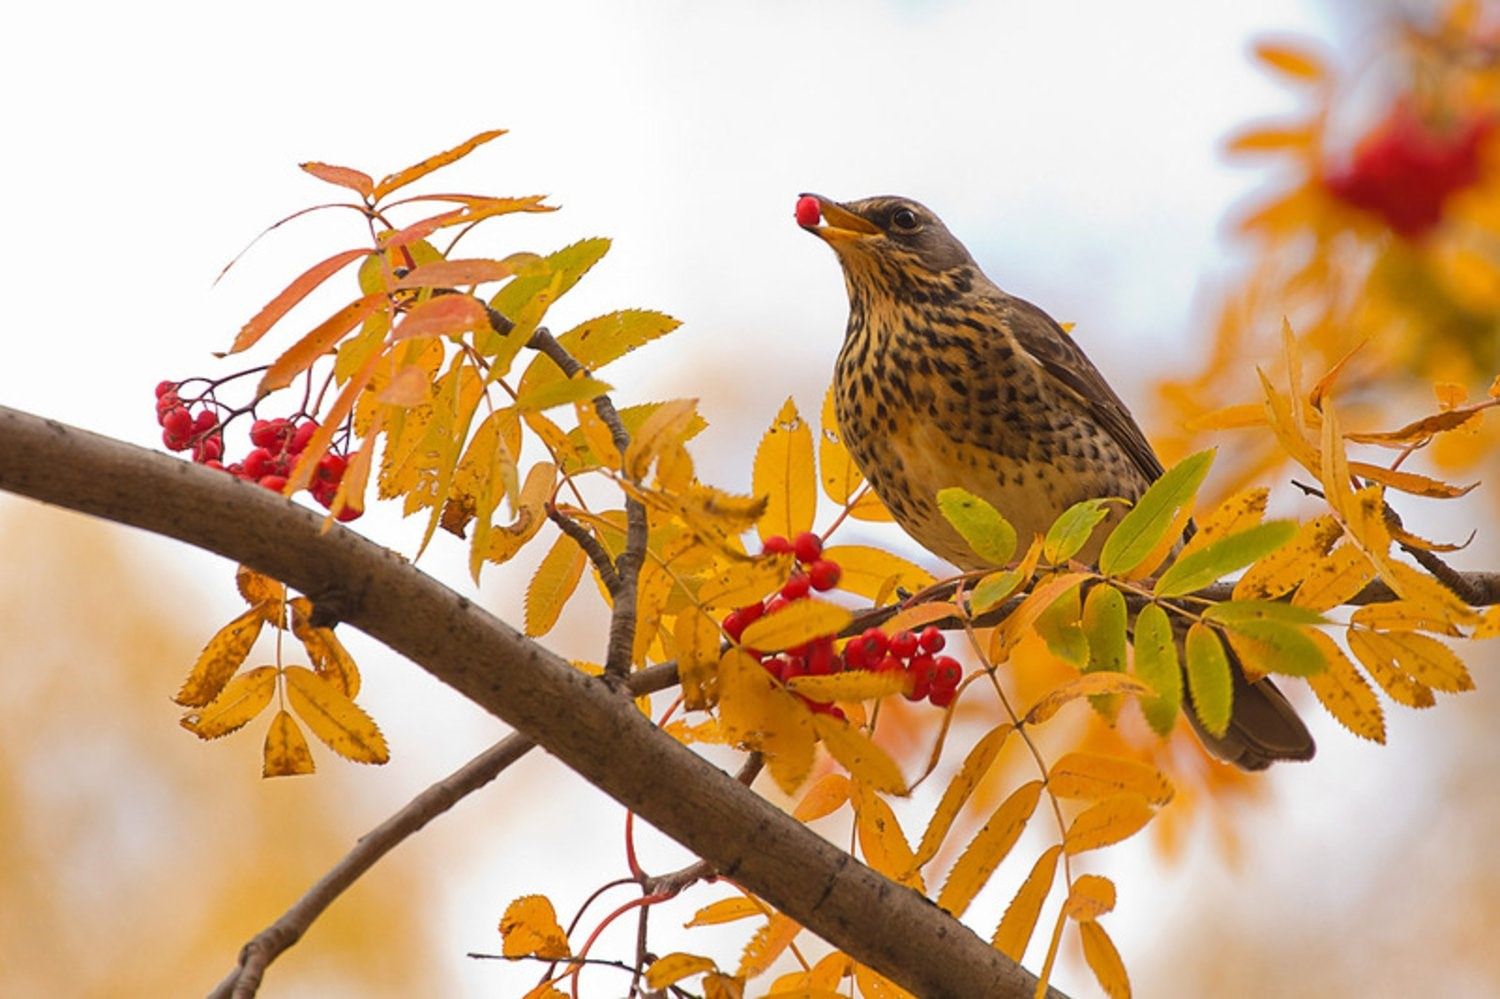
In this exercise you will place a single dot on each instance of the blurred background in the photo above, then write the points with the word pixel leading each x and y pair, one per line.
pixel 1086 153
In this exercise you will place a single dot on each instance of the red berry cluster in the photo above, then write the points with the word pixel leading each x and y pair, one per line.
pixel 932 677
pixel 1405 169
pixel 275 446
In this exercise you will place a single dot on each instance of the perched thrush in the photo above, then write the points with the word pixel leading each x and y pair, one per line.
pixel 945 380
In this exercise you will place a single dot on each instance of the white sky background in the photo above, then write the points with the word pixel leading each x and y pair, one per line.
pixel 1074 147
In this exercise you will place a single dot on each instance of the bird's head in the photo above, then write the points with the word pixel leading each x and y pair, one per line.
pixel 884 242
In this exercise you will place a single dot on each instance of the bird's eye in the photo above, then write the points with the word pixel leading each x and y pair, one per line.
pixel 904 219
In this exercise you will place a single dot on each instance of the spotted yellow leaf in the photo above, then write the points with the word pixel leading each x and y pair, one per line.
pixel 336 720
pixel 784 474
pixel 285 753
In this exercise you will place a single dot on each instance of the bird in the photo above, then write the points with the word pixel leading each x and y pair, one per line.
pixel 945 380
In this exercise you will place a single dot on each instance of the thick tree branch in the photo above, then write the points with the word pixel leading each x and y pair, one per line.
pixel 575 717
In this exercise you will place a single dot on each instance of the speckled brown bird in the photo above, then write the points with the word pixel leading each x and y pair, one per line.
pixel 945 380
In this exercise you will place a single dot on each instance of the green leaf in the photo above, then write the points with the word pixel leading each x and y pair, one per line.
pixel 1104 625
pixel 987 534
pixel 1059 627
pixel 560 392
pixel 1071 531
pixel 571 263
pixel 1268 646
pixel 1219 558
pixel 599 341
pixel 1208 678
pixel 993 589
pixel 1140 530
pixel 1156 664
pixel 1262 610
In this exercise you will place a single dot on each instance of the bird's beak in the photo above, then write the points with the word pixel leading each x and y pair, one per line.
pixel 840 225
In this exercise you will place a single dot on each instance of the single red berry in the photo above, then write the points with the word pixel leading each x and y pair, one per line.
pixel 904 644
pixel 173 442
pixel 932 640
pixel 776 603
pixel 941 697
pixel 348 513
pixel 275 483
pixel 825 574
pixel 752 612
pixel 807 546
pixel 795 667
pixel 216 464
pixel 178 422
pixel 889 664
pixel 776 545
pixel 165 403
pixel 946 672
pixel 875 641
pixel 856 656
pixel 205 421
pixel 330 469
pixel 301 436
pixel 734 624
pixel 258 463
pixel 919 688
pixel 260 432
pixel 821 659
pixel 796 588
pixel 208 449
pixel 921 666
pixel 162 388
pixel 773 665
pixel 808 211
pixel 270 434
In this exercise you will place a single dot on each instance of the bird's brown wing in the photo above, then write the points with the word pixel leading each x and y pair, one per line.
pixel 1067 365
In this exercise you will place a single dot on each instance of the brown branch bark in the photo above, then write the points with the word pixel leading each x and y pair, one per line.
pixel 576 718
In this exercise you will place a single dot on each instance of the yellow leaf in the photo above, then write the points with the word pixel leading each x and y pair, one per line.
pixel 563 392
pixel 784 474
pixel 1404 615
pixel 874 985
pixel 868 507
pixel 919 615
pixel 1019 921
pixel 743 582
pixel 1104 961
pixel 1042 596
pixel 767 944
pixel 826 796
pixel 1091 776
pixel 599 341
pixel 1235 417
pixel 329 658
pixel 1110 821
pixel 242 699
pixel 1425 659
pixel 530 928
pixel 798 622
pixel 1410 482
pixel 756 712
pixel 597 435
pixel 1345 693
pixel 720 986
pixel 1287 428
pixel 1088 685
pixel 668 423
pixel 988 848
pixel 285 753
pixel 865 761
pixel 675 967
pixel 1333 579
pixel 224 654
pixel 1293 61
pixel 1400 685
pixel 339 722
pixel 1090 897
pixel 726 910
pixel 869 571
pixel 697 640
pixel 959 789
pixel 856 685
pixel 554 582
pixel 1239 512
pixel 1489 625
pixel 881 840
pixel 1286 567
pixel 841 477
pixel 502 544
pixel 256 588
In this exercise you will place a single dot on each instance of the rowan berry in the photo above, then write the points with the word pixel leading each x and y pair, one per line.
pixel 822 659
pixel 856 656
pixel 904 644
pixel 776 545
pixel 795 666
pixel 889 664
pixel 807 546
pixel 173 441
pixel 824 574
pixel 205 421
pixel 809 213
pixel 921 667
pixel 275 483
pixel 348 513
pixel 796 588
pixel 875 641
pixel 208 449
pixel 258 463
pixel 162 388
pixel 178 422
pixel 301 436
pixel 942 696
pixel 932 640
pixel 734 624
pixel 773 665
pixel 946 672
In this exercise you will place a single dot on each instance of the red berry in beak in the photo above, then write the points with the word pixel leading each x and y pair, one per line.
pixel 808 212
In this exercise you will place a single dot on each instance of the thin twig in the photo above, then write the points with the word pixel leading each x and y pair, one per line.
pixel 590 545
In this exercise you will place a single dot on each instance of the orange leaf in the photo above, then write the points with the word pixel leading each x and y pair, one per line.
pixel 401 178
pixel 1410 482
pixel 1092 776
pixel 460 273
pixel 320 340
pixel 726 910
pixel 1273 138
pixel 1400 685
pixel 1104 961
pixel 1345 693
pixel 411 386
pixel 355 180
pixel 864 760
pixel 784 473
pixel 767 945
pixel 530 928
pixel 242 699
pixel 1420 430
pixel 1090 897
pixel 1019 921
pixel 826 796
pixel 1088 685
pixel 293 293
pixel 285 753
pixel 442 316
pixel 881 840
pixel 1292 61
pixel 988 848
pixel 918 615
pixel 959 789
pixel 1110 821
pixel 1236 417
pixel 675 967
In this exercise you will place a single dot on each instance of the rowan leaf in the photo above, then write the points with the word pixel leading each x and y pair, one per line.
pixel 991 591
pixel 873 985
pixel 881 839
pixel 1156 663
pixel 300 288
pixel 767 945
pixel 1104 626
pixel 1425 659
pixel 563 392
pixel 1268 646
pixel 1148 522
pixel 1262 610
pixel 599 341
pixel 329 658
pixel 1060 627
pixel 1272 139
pixel 1410 482
pixel 1090 897
pixel 696 637
pixel 1292 61
pixel 988 848
pixel 341 724
pixel 675 967
pixel 1219 558
pixel 784 474
pixel 1345 693
pixel 669 423
pixel 1104 960
pixel 555 580
pixel 1236 417
pixel 529 928
pixel 916 616
pixel 1111 820
pixel 1283 569
pixel 856 685
pixel 1209 680
pixel 544 281
pixel 224 654
pixel 1334 578
pixel 1419 431
pixel 355 180
pixel 1093 776
pixel 317 343
pixel 242 699
pixel 1019 921
pixel 840 475
pixel 1037 602
pixel 1088 685
pixel 1405 615
pixel 870 572
pixel 285 753
pixel 798 622
pixel 973 770
pixel 865 761
pixel 726 910
pixel 826 796
pixel 743 582
pixel 401 178
pixel 754 711
pixel 988 534
pixel 1402 687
